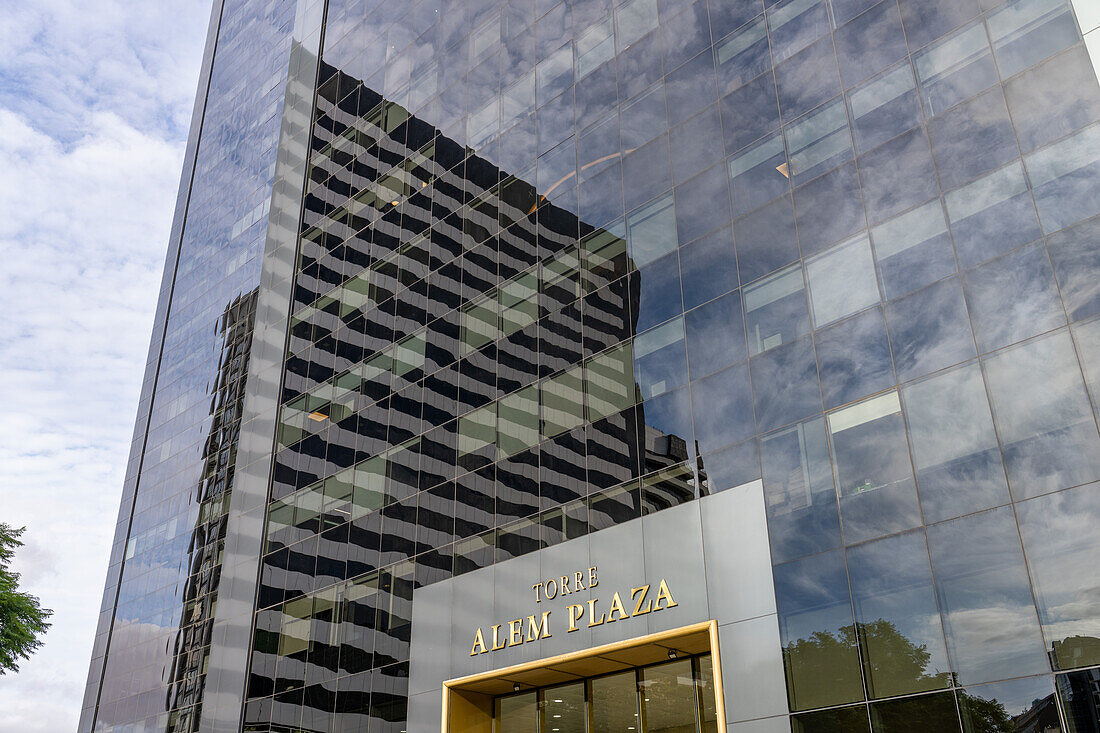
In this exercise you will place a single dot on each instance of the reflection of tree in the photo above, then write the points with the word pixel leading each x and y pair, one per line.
pixel 824 666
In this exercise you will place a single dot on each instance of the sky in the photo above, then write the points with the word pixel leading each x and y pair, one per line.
pixel 95 104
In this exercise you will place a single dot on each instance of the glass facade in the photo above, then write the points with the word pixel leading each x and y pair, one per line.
pixel 565 268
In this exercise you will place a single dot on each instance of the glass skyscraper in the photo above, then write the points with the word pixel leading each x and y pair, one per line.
pixel 640 366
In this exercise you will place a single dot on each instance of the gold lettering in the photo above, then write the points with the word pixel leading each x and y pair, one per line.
pixel 541 630
pixel 551 596
pixel 515 632
pixel 575 613
pixel 479 641
pixel 616 605
pixel 592 577
pixel 663 592
pixel 565 586
pixel 592 613
pixel 577 578
pixel 536 588
pixel 638 604
pixel 498 643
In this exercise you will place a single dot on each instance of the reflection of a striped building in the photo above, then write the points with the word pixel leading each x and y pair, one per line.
pixel 362 480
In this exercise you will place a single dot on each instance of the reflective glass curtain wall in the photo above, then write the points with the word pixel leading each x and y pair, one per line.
pixel 153 642
pixel 562 264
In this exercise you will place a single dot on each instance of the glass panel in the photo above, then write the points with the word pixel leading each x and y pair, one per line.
pixel 708 713
pixel 1027 31
pixel 854 358
pixel 873 473
pixel 983 589
pixel 614 703
pixel 563 709
pixel 609 382
pixel 954 446
pixel 919 714
pixel 562 402
pixel 992 215
pixel 479 324
pixel 900 637
pixel 651 231
pixel 819 141
pixel 758 174
pixel 517 713
pixel 1065 176
pixel 518 427
pixel 799 491
pixel 722 408
pixel 775 310
pixel 842 280
pixel 1077 693
pixel 660 359
pixel 884 107
pixel 955 68
pixel 1047 430
pixel 715 335
pixel 929 330
pixel 914 249
pixel 1013 298
pixel 1018 706
pixel 668 698
pixel 838 720
pixel 817 632
pixel 1062 544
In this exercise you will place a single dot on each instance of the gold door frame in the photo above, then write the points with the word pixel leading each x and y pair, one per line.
pixel 468 701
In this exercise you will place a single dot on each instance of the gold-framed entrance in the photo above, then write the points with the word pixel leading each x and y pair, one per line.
pixel 468 702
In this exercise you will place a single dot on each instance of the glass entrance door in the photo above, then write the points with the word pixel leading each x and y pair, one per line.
pixel 673 697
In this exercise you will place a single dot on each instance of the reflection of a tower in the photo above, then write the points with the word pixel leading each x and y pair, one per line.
pixel 381 359
pixel 192 642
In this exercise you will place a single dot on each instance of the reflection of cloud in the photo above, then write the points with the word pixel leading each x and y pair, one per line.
pixel 93 109
pixel 992 642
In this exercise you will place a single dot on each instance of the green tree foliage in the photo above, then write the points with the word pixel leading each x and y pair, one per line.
pixel 826 668
pixel 22 619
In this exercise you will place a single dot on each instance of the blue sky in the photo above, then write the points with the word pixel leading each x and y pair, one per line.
pixel 95 102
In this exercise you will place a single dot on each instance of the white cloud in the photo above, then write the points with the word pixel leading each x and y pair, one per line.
pixel 94 105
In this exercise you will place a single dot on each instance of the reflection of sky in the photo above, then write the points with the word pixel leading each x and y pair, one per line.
pixel 1062 546
pixel 94 106
pixel 891 580
pixel 1017 696
pixel 989 613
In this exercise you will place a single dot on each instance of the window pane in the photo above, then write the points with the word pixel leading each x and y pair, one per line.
pixel 914 249
pixel 854 358
pixel 1062 545
pixel 668 697
pixel 660 358
pixel 1030 701
pixel 614 702
pixel 842 280
pixel 873 474
pixel 562 403
pixel 563 709
pixel 1027 31
pixel 517 713
pixel 916 714
pixel 1047 430
pixel 1064 177
pixel 651 231
pixel 900 638
pixel 775 310
pixel 817 632
pixel 955 449
pixel 983 589
pixel 518 427
pixel 722 408
pixel 799 491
